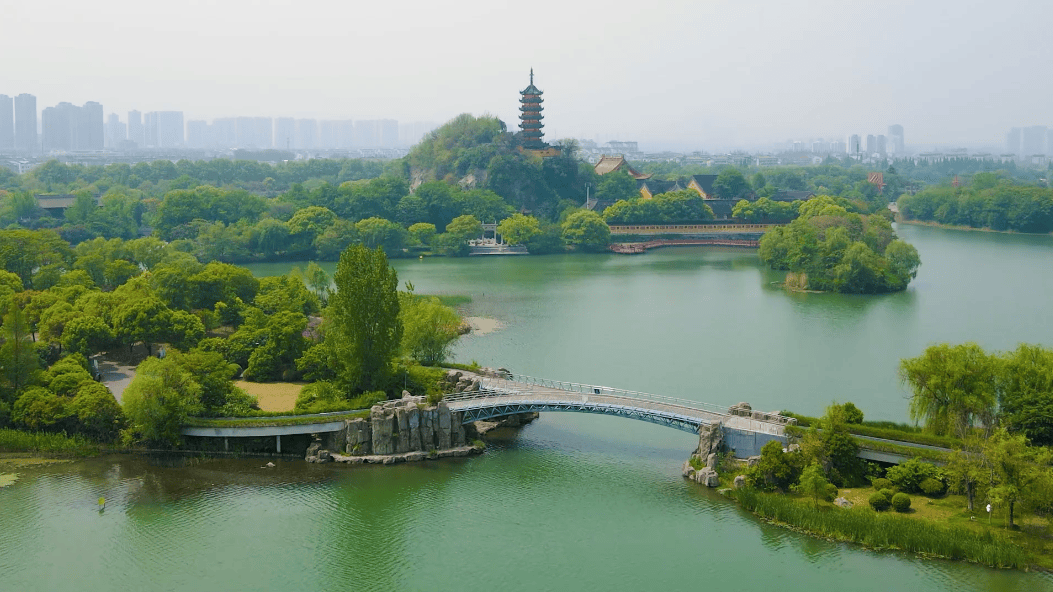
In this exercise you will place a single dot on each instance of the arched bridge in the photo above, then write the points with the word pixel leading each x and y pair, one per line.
pixel 517 393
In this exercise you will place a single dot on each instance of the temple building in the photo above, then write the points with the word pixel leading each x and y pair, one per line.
pixel 530 108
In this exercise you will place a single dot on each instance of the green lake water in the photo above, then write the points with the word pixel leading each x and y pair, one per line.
pixel 571 502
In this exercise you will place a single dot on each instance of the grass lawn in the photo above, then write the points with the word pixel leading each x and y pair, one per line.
pixel 1031 532
pixel 273 396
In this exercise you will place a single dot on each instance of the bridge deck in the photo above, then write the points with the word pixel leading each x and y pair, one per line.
pixel 525 390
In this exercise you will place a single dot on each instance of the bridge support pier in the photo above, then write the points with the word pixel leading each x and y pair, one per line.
pixel 226 444
pixel 278 440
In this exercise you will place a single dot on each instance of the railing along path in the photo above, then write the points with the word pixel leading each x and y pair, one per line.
pixel 523 390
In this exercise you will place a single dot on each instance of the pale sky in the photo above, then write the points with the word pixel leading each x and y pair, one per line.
pixel 707 74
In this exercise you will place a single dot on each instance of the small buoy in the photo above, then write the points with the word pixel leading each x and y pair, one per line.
pixel 270 464
pixel 422 257
pixel 102 504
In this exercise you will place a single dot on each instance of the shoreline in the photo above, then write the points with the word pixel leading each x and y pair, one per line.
pixel 900 220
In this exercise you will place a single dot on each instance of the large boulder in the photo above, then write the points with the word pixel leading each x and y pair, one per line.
pixel 445 427
pixel 384 430
pixel 403 433
pixel 359 437
pixel 413 423
pixel 740 481
pixel 710 439
pixel 707 477
pixel 741 410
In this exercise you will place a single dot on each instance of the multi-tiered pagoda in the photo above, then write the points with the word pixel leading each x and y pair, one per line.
pixel 530 116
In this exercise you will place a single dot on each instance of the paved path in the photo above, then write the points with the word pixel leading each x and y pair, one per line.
pixel 116 377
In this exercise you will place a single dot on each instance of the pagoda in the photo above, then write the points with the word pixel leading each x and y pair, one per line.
pixel 530 116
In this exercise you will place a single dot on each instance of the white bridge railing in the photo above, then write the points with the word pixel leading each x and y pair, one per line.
pixel 595 389
pixel 513 385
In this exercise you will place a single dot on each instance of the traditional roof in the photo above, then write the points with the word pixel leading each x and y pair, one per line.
pixel 654 186
pixel 531 90
pixel 705 183
pixel 722 207
pixel 609 164
pixel 792 196
pixel 60 202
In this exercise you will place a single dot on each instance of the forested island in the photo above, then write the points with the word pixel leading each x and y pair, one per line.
pixel 828 247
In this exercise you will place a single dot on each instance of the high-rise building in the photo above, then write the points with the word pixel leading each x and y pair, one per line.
pixel 367 134
pixel 389 133
pixel 26 123
pixel 116 132
pixel 412 133
pixel 197 134
pixel 169 129
pixel 1033 140
pixel 60 127
pixel 306 133
pixel 136 131
pixel 853 145
pixel 285 133
pixel 150 129
pixel 7 123
pixel 264 132
pixel 91 133
pixel 346 133
pixel 895 139
pixel 328 133
pixel 225 133
pixel 871 145
pixel 1012 141
pixel 245 129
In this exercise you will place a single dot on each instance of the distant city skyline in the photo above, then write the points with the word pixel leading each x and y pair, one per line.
pixel 720 75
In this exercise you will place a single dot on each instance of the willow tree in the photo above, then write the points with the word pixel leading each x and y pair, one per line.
pixel 954 388
pixel 365 329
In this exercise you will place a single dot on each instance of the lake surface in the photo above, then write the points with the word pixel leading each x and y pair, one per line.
pixel 571 502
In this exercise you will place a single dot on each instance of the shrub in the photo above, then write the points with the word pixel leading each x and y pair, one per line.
pixel 852 413
pixel 908 475
pixel 888 493
pixel 99 417
pixel 879 502
pixel 901 502
pixel 882 483
pixel 933 487
pixel 40 409
pixel 320 397
pixel 831 492
pixel 367 400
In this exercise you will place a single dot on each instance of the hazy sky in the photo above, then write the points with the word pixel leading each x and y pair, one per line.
pixel 702 74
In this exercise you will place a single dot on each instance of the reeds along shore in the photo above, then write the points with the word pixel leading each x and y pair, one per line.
pixel 887 531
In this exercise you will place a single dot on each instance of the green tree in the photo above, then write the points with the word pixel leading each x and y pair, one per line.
pixel 775 469
pixel 158 401
pixel 1025 393
pixel 98 414
pixel 586 230
pixel 145 319
pixel 380 233
pixel 1020 474
pixel 616 186
pixel 423 232
pixel 19 362
pixel 430 328
pixel 465 227
pixel 364 317
pixel 813 483
pixel 830 444
pixel 953 386
pixel 86 335
pixel 518 229
pixel 731 184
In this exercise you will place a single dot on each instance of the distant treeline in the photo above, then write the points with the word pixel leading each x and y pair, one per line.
pixel 985 203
